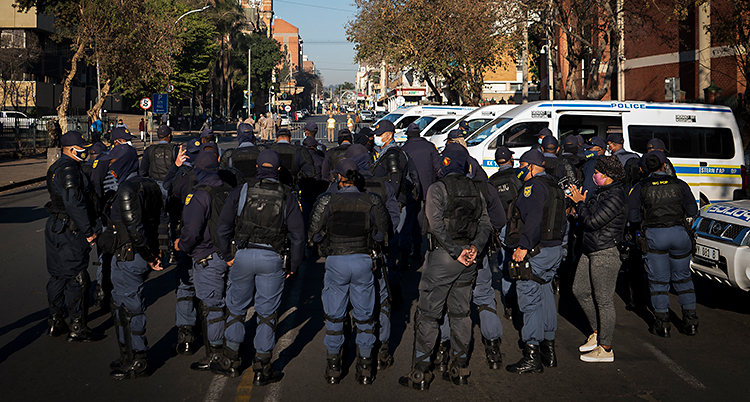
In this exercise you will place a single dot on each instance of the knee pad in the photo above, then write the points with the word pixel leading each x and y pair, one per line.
pixel 365 322
pixel 334 321
pixel 83 279
pixel 272 320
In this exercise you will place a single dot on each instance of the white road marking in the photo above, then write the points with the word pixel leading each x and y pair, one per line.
pixel 674 367
pixel 216 388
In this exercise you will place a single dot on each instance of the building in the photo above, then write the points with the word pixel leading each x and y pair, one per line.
pixel 288 36
pixel 259 14
pixel 504 83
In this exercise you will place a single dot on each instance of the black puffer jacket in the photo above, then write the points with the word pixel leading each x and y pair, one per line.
pixel 604 217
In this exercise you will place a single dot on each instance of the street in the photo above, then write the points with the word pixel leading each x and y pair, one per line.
pixel 713 365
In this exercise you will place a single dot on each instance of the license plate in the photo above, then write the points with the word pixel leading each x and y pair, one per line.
pixel 707 252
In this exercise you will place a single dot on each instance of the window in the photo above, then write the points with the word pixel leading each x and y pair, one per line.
pixel 490 129
pixel 406 121
pixel 520 135
pixel 392 117
pixel 686 142
pixel 439 126
pixel 422 122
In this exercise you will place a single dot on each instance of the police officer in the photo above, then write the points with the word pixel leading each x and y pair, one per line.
pixel 543 133
pixel 159 158
pixel 628 159
pixel 104 182
pixel 570 153
pixel 198 238
pixel 69 231
pixel 137 236
pixel 265 238
pixel 656 144
pixel 458 229
pixel 427 163
pixel 557 167
pixel 244 158
pixel 458 136
pixel 507 185
pixel 365 136
pixel 483 294
pixel 662 205
pixel 352 222
pixel 593 150
pixel 335 155
pixel 535 230
pixel 311 187
pixel 310 131
pixel 294 159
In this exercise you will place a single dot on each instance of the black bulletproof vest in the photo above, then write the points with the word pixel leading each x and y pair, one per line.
pixel 160 157
pixel 335 155
pixel 349 229
pixel 133 211
pixel 288 159
pixel 377 185
pixel 391 163
pixel 661 201
pixel 464 209
pixel 55 205
pixel 186 170
pixel 246 160
pixel 260 218
pixel 553 214
pixel 218 196
pixel 507 185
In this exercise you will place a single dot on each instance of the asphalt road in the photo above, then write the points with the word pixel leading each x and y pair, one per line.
pixel 710 366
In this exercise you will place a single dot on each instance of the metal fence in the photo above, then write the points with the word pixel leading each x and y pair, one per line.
pixel 298 130
pixel 28 136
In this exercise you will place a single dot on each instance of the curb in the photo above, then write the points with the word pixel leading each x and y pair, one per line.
pixel 22 183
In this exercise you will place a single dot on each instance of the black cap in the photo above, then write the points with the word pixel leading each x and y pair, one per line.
pixel 163 131
pixel 595 141
pixel 549 143
pixel 655 143
pixel 571 140
pixel 269 157
pixel 464 125
pixel 284 131
pixel 413 130
pixel 456 133
pixel 616 138
pixel 503 154
pixel 345 165
pixel 206 161
pixel 194 146
pixel 207 132
pixel 544 132
pixel 119 152
pixel 366 131
pixel 533 157
pixel 121 133
pixel 311 126
pixel 73 139
pixel 384 126
pixel 97 148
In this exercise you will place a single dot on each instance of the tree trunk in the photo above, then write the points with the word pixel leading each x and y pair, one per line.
pixel 62 109
pixel 433 88
pixel 525 61
pixel 93 113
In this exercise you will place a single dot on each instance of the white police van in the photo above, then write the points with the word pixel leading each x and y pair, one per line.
pixel 428 125
pixel 722 249
pixel 703 141
pixel 405 115
pixel 475 120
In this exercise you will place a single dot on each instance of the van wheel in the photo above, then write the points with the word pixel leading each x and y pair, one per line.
pixel 704 200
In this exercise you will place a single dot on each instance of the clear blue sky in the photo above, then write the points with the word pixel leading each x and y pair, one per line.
pixel 321 26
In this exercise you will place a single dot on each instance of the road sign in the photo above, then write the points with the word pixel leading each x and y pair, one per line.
pixel 170 88
pixel 288 108
pixel 145 103
pixel 400 101
pixel 161 103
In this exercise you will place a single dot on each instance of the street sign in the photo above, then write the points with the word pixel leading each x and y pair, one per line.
pixel 170 88
pixel 145 103
pixel 400 101
pixel 288 108
pixel 161 103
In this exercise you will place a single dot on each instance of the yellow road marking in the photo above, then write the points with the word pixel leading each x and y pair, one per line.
pixel 244 390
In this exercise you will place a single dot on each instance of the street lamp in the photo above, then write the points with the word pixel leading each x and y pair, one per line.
pixel 197 10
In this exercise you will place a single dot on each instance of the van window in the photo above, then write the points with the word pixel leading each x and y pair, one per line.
pixel 481 135
pixel 392 117
pixel 439 126
pixel 406 121
pixel 422 122
pixel 520 135
pixel 686 142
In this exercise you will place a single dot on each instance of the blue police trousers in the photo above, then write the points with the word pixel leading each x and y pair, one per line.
pixel 384 321
pixel 209 288
pixel 256 274
pixel 483 297
pixel 67 255
pixel 185 314
pixel 668 260
pixel 507 285
pixel 349 278
pixel 128 278
pixel 536 301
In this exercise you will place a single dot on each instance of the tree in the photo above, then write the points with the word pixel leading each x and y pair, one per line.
pixel 17 55
pixel 435 38
pixel 266 55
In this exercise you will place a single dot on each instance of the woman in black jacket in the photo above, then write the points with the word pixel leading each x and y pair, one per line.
pixel 603 217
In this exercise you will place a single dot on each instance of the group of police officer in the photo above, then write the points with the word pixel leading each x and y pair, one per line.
pixel 236 224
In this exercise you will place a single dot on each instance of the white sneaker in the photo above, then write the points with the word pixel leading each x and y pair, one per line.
pixel 590 344
pixel 599 355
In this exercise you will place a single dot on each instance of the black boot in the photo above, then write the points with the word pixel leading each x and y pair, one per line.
pixel 531 362
pixel 79 332
pixel 213 354
pixel 492 352
pixel 385 359
pixel 689 322
pixel 417 379
pixel 185 341
pixel 57 325
pixel 661 325
pixel 121 360
pixel 458 373
pixel 547 349
pixel 227 363
pixel 263 371
pixel 442 356
pixel 133 368
pixel 363 371
pixel 333 368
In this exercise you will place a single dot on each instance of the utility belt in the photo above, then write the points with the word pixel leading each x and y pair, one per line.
pixel 66 223
pixel 204 262
pixel 522 270
pixel 125 253
pixel 286 260
pixel 433 244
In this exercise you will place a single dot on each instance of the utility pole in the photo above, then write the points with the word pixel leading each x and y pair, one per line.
pixel 249 88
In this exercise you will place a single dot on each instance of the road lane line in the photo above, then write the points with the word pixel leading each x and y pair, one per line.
pixel 245 389
pixel 674 367
pixel 215 389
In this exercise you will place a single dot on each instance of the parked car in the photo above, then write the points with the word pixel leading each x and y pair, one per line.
pixel 284 120
pixel 299 114
pixel 366 116
pixel 10 119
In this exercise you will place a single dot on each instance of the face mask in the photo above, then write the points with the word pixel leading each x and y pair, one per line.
pixel 522 172
pixel 590 154
pixel 379 141
pixel 129 143
pixel 81 155
pixel 609 149
pixel 599 179
pixel 540 140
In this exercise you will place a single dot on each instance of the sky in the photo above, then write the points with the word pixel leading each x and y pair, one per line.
pixel 321 26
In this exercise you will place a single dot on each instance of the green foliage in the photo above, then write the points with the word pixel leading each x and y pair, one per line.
pixel 194 60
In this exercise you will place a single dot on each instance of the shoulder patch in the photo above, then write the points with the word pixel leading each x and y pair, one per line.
pixel 96 162
pixel 527 191
pixel 188 198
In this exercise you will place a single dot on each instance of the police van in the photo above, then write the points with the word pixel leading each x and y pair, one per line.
pixel 703 141
pixel 474 119
pixel 722 249
pixel 428 125
pixel 405 115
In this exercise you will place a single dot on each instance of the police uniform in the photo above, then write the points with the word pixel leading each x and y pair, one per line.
pixel 457 221
pixel 295 160
pixel 352 222
pixel 263 219
pixel 72 220
pixel 136 234
pixel 536 223
pixel 661 203
pixel 311 187
pixel 159 158
pixel 335 155
pixel 587 171
pixel 243 158
pixel 198 238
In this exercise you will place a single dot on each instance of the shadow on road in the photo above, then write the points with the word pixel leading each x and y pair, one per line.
pixel 26 337
pixel 22 214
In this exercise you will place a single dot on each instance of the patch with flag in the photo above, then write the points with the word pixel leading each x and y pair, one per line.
pixel 527 191
pixel 96 162
pixel 190 197
pixel 446 161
